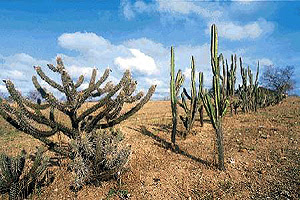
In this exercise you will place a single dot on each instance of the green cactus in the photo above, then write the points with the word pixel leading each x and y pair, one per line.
pixel 200 102
pixel 175 85
pixel 108 107
pixel 216 104
pixel 248 91
pixel 231 80
pixel 98 156
pixel 18 182
pixel 190 107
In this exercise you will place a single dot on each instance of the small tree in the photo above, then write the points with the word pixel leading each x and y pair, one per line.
pixel 279 79
pixel 26 116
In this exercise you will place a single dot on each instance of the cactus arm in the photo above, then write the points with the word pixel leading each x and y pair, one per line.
pixel 47 79
pixel 79 81
pixel 104 100
pixel 49 97
pixel 27 114
pixel 51 67
pixel 132 111
pixel 178 82
pixel 93 77
pixel 92 87
pixel 186 94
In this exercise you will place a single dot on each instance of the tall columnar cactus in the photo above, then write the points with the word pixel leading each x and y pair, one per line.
pixel 200 103
pixel 106 112
pixel 175 84
pixel 216 104
pixel 231 80
pixel 190 107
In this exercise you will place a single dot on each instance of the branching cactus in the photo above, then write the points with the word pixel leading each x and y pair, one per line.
pixel 216 104
pixel 189 102
pixel 175 85
pixel 106 112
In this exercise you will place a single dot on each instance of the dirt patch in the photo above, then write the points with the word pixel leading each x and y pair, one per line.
pixel 261 153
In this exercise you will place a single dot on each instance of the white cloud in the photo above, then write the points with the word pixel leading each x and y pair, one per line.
pixel 139 62
pixel 234 31
pixel 3 88
pixel 127 8
pixel 154 81
pixel 83 41
pixel 186 7
pixel 182 7
pixel 150 59
pixel 265 62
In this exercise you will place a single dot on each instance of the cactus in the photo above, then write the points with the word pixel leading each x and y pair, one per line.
pixel 18 182
pixel 175 84
pixel 99 155
pixel 231 80
pixel 200 103
pixel 108 107
pixel 191 109
pixel 248 93
pixel 216 104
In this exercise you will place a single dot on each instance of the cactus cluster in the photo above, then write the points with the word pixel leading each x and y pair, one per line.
pixel 17 181
pixel 103 114
pixel 98 156
pixel 248 91
pixel 267 97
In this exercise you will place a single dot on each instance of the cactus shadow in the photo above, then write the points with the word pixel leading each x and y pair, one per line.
pixel 169 146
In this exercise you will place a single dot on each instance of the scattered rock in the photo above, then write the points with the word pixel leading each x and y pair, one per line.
pixel 242 150
pixel 264 136
pixel 231 161
pixel 156 180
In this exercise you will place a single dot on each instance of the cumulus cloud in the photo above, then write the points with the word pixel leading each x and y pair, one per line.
pixel 139 62
pixel 186 7
pixel 148 60
pixel 252 30
pixel 82 41
pixel 183 7
pixel 154 81
pixel 265 62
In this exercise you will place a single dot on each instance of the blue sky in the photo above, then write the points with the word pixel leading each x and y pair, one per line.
pixel 137 35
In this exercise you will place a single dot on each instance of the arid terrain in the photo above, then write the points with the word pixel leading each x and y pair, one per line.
pixel 262 154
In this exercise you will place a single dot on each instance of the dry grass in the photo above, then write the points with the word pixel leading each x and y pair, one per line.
pixel 262 158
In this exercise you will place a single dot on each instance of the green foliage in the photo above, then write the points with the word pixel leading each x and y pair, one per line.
pixel 17 181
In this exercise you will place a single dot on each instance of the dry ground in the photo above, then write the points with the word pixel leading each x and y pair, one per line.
pixel 262 153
